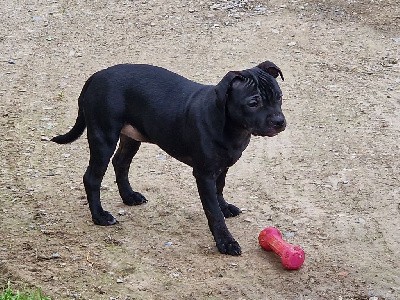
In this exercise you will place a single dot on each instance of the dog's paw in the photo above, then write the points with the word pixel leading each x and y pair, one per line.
pixel 231 211
pixel 134 198
pixel 229 247
pixel 104 219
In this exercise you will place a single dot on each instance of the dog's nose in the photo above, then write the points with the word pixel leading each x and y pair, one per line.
pixel 278 121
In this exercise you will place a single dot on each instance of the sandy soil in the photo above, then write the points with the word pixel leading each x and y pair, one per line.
pixel 330 182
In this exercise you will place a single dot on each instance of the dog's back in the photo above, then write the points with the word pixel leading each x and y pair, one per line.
pixel 154 100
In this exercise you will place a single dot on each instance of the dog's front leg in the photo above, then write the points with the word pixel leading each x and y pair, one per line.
pixel 206 185
pixel 229 210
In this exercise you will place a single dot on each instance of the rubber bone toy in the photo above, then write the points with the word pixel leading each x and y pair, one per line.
pixel 292 257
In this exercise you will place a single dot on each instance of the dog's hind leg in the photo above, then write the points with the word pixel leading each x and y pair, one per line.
pixel 121 162
pixel 102 144
pixel 229 210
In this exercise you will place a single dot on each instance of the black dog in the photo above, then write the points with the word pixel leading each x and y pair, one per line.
pixel 206 127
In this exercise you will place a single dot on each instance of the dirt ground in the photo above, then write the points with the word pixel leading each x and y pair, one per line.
pixel 330 182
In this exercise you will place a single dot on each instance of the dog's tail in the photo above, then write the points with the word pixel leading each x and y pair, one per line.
pixel 75 132
pixel 80 124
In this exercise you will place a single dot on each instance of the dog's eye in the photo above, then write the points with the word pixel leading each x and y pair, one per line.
pixel 254 102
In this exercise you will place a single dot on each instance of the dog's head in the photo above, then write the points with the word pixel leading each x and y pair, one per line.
pixel 252 99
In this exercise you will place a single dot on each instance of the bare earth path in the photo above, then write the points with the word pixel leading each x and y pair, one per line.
pixel 330 182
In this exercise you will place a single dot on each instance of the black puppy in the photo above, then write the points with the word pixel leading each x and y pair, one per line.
pixel 207 127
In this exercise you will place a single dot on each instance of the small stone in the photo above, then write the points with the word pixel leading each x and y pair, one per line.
pixel 122 212
pixel 396 40
pixel 192 10
pixel 343 274
pixel 175 274
pixel 161 156
pixel 120 280
pixel 323 236
pixel 289 234
pixel 291 44
pixel 168 244
pixel 361 221
pixel 45 139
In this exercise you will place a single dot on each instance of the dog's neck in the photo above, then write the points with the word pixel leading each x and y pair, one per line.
pixel 238 135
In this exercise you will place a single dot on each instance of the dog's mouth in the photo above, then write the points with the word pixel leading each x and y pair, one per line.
pixel 270 132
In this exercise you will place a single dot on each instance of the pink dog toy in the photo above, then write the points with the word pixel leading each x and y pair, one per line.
pixel 292 257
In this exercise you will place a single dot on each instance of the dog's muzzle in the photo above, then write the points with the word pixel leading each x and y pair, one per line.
pixel 276 125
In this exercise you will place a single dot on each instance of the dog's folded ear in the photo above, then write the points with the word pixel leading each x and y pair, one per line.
pixel 223 87
pixel 271 69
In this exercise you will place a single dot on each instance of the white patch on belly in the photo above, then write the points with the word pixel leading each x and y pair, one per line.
pixel 133 133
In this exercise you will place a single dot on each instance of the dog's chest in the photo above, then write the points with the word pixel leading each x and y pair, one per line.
pixel 233 151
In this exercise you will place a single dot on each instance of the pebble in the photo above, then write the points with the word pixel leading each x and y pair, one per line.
pixel 361 221
pixel 168 244
pixel 396 40
pixel 323 236
pixel 120 280
pixel 161 156
pixel 288 234
pixel 175 274
pixel 300 221
pixel 122 212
